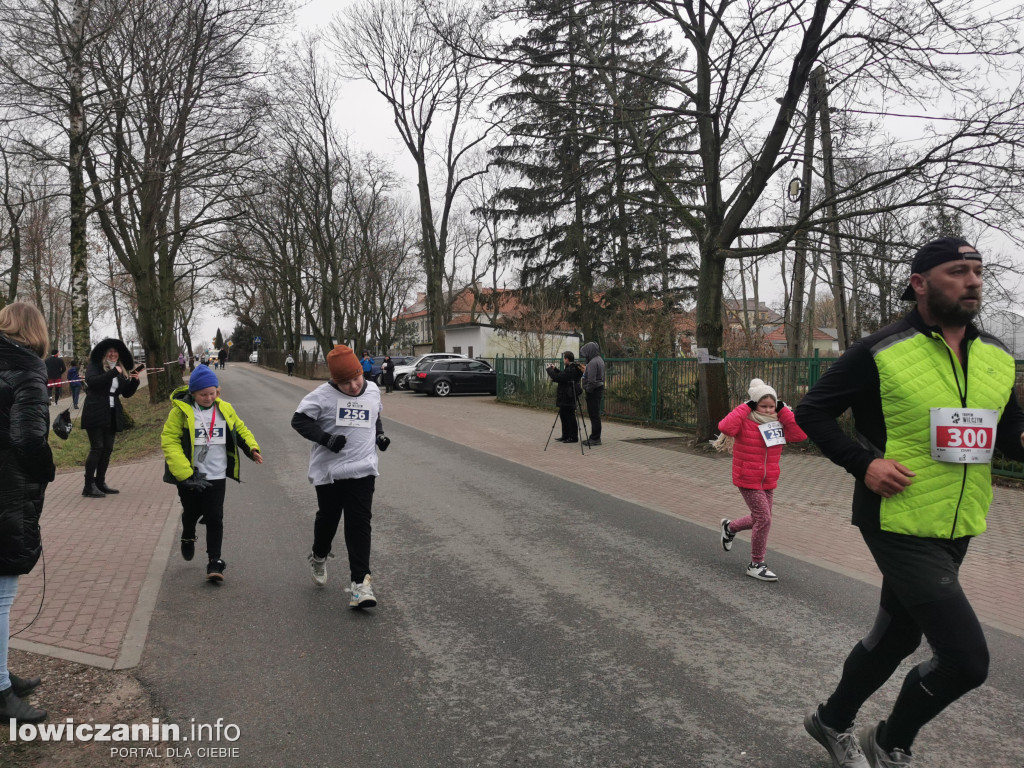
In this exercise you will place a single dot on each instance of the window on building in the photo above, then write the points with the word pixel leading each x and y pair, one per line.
pixel 457 350
pixel 470 353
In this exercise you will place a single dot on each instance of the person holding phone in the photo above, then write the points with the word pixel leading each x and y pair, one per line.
pixel 111 375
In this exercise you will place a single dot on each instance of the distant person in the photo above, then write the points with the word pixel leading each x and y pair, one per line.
pixel 367 363
pixel 111 375
pixel 593 386
pixel 387 374
pixel 289 363
pixel 566 395
pixel 222 357
pixel 342 419
pixel 181 360
pixel 75 382
pixel 201 440
pixel 55 368
pixel 756 431
pixel 932 395
pixel 26 470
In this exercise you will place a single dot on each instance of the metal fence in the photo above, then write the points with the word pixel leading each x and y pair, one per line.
pixel 663 391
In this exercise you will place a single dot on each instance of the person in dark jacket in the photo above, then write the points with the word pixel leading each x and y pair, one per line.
pixel 26 466
pixel 222 357
pixel 568 380
pixel 387 373
pixel 593 385
pixel 110 376
pixel 75 382
pixel 55 368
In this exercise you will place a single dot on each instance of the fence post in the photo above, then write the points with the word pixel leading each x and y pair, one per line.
pixel 654 391
pixel 814 369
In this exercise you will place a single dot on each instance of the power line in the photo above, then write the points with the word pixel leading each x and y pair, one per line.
pixel 933 117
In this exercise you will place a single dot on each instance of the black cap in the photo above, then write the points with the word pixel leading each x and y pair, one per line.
pixel 934 253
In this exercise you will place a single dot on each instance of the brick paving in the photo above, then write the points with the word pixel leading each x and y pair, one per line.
pixel 105 557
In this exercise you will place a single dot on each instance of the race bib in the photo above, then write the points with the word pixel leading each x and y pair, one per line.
pixel 207 436
pixel 353 413
pixel 772 433
pixel 963 435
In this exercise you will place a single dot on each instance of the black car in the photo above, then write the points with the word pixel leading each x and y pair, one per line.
pixel 444 377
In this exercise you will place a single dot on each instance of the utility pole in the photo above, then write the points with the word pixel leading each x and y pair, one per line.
pixel 817 84
pixel 796 317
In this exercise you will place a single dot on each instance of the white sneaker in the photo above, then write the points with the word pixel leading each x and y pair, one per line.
pixel 843 746
pixel 362 594
pixel 760 571
pixel 319 568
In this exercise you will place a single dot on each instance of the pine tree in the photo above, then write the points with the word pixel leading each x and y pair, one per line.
pixel 582 204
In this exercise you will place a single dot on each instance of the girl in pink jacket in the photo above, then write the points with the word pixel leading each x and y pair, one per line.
pixel 759 428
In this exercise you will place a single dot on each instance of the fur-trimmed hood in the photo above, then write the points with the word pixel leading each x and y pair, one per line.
pixel 100 350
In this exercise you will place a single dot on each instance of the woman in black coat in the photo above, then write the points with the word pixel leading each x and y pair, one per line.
pixel 569 389
pixel 26 466
pixel 109 377
pixel 387 373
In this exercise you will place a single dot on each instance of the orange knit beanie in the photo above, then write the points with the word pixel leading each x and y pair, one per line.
pixel 343 363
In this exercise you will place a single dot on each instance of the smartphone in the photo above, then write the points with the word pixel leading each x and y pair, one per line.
pixel 139 368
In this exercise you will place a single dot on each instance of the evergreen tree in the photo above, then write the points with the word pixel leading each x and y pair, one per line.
pixel 582 203
pixel 218 341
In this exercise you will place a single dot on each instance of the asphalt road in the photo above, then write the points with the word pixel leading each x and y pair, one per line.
pixel 523 620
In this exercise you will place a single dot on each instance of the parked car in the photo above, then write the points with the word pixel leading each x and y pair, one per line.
pixel 254 357
pixel 403 371
pixel 446 377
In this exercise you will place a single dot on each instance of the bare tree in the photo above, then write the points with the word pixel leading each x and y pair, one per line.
pixel 432 87
pixel 183 101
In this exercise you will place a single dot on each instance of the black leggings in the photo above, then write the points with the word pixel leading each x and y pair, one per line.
pixel 101 445
pixel 570 427
pixel 352 498
pixel 959 663
pixel 207 506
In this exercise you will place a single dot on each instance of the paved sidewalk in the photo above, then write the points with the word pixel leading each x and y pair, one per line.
pixel 106 557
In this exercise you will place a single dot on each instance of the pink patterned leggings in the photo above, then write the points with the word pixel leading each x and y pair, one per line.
pixel 759 521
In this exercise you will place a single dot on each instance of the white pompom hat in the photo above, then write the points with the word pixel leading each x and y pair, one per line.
pixel 758 390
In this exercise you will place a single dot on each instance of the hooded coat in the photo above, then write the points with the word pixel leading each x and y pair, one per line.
pixel 26 463
pixel 97 410
pixel 178 438
pixel 593 374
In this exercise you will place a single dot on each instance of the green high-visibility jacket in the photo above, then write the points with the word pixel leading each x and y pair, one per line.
pixel 178 437
pixel 891 380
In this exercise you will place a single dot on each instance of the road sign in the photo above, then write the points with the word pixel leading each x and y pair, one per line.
pixel 258 340
pixel 230 343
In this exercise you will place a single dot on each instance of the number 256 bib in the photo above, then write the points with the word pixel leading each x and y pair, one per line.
pixel 353 413
pixel 963 435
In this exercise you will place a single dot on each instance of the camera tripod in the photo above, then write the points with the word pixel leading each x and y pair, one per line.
pixel 581 426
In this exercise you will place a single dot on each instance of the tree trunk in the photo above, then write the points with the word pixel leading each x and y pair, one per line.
pixel 713 403
pixel 80 335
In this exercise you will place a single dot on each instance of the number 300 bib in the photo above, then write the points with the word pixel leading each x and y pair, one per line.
pixel 963 435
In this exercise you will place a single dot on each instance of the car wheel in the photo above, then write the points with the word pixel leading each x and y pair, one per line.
pixel 400 382
pixel 442 389
pixel 509 388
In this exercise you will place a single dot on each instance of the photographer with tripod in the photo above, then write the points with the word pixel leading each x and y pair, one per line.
pixel 569 389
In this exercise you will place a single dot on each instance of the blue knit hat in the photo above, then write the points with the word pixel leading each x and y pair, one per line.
pixel 201 378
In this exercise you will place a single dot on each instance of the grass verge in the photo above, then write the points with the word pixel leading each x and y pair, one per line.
pixel 140 441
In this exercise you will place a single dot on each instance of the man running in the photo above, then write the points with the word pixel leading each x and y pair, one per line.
pixel 931 396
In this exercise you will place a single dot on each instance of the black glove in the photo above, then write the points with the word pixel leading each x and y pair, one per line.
pixel 197 483
pixel 779 405
pixel 383 441
pixel 333 443
pixel 752 405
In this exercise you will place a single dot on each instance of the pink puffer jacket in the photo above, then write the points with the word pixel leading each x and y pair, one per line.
pixel 754 464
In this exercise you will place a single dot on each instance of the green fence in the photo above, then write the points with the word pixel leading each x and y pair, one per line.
pixel 663 391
